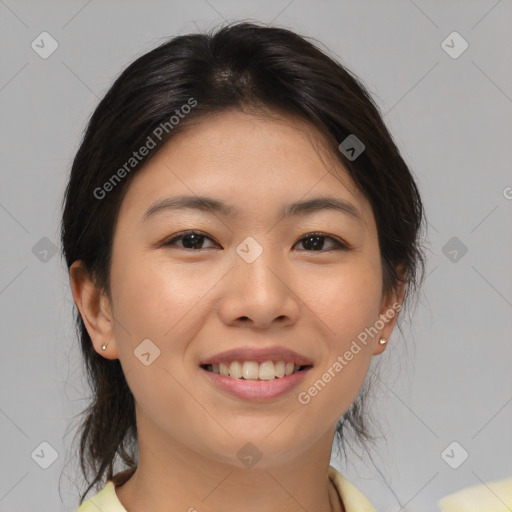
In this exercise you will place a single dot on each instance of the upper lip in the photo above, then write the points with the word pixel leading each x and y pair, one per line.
pixel 258 355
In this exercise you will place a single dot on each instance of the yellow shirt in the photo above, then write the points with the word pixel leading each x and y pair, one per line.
pixel 490 497
pixel 107 501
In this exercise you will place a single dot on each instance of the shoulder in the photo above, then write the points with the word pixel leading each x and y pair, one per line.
pixel 495 496
pixel 352 498
pixel 106 500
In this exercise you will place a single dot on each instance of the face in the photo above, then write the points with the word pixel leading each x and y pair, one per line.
pixel 248 278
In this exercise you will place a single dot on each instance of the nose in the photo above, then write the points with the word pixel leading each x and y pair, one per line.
pixel 259 294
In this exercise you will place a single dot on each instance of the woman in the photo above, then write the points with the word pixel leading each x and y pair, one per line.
pixel 241 233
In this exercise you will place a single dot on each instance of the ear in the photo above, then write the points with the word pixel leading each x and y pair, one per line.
pixel 95 310
pixel 391 305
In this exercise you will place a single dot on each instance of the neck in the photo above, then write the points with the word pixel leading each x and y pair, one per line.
pixel 176 478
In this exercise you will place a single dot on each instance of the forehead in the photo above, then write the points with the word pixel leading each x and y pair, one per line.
pixel 251 160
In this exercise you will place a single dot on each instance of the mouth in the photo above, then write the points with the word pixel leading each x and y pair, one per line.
pixel 256 371
pixel 255 381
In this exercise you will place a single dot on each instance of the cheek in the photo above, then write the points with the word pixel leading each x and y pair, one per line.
pixel 348 305
pixel 348 301
pixel 327 398
pixel 153 297
pixel 161 302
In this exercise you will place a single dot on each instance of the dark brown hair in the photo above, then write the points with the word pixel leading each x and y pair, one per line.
pixel 245 66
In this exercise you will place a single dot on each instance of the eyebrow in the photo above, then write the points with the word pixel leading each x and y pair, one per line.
pixel 214 206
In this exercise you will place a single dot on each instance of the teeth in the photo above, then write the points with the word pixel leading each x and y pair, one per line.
pixel 279 368
pixel 235 370
pixel 267 371
pixel 251 370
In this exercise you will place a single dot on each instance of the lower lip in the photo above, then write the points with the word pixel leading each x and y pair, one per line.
pixel 257 390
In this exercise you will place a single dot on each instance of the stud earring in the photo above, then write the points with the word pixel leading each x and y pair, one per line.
pixel 383 341
pixel 104 346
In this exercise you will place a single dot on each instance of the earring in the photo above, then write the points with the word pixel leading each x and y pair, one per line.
pixel 104 346
pixel 382 341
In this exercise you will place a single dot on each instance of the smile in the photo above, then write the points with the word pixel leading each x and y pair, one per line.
pixel 252 370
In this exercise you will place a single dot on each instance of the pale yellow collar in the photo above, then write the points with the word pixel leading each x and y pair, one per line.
pixel 353 500
pixel 351 496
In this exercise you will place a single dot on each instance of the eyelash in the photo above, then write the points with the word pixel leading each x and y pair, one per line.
pixel 338 243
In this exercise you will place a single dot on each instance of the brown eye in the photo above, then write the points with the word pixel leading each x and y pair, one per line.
pixel 191 240
pixel 316 242
pixel 313 242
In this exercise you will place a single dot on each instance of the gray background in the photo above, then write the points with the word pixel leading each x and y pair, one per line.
pixel 448 379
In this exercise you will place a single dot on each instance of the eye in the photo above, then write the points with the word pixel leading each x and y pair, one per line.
pixel 192 239
pixel 315 242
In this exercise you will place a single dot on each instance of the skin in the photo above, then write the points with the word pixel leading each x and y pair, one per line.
pixel 194 303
